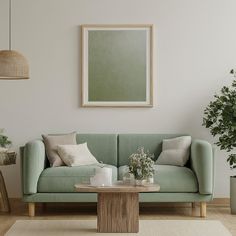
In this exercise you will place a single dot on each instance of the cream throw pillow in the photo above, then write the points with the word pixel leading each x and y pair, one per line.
pixel 52 141
pixel 175 151
pixel 76 155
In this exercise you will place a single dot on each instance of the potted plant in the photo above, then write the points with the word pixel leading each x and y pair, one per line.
pixel 4 141
pixel 220 118
pixel 141 165
pixel 7 157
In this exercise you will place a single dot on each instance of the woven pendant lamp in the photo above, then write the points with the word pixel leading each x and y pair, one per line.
pixel 13 65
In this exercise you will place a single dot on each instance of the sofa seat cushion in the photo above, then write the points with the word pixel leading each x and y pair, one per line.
pixel 173 179
pixel 62 179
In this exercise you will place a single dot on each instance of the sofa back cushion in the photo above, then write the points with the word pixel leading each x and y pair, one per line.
pixel 102 146
pixel 129 143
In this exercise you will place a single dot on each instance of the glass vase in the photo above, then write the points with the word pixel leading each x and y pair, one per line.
pixel 150 180
pixel 128 178
pixel 140 182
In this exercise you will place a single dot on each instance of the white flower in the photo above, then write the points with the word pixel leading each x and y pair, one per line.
pixel 141 164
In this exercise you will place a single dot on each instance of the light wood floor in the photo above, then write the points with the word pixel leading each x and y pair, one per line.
pixel 88 211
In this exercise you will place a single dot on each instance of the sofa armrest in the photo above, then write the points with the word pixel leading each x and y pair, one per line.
pixel 33 163
pixel 202 163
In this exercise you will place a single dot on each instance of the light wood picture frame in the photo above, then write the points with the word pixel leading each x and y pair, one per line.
pixel 117 65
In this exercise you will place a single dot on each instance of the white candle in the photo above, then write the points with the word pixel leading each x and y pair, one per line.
pixel 103 177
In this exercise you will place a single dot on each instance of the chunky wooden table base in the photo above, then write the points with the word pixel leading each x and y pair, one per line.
pixel 118 206
pixel 118 212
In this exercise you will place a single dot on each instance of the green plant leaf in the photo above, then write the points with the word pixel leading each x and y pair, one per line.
pixel 220 119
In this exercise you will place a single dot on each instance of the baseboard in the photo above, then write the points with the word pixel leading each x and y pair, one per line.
pixel 214 202
pixel 220 201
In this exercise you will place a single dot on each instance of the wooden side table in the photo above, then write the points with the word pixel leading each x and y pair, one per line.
pixel 8 158
pixel 5 205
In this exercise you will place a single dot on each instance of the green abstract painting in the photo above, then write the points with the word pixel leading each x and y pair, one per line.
pixel 117 66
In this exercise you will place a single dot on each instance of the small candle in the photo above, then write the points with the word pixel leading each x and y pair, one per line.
pixel 103 177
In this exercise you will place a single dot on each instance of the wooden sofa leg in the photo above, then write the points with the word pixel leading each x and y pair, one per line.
pixel 31 209
pixel 203 207
pixel 193 205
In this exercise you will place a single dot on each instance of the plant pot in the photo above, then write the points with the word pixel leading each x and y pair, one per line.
pixel 233 194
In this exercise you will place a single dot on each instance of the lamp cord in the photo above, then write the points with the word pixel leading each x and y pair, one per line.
pixel 9 24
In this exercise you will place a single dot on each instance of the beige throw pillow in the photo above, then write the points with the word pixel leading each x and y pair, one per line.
pixel 76 155
pixel 52 141
pixel 175 151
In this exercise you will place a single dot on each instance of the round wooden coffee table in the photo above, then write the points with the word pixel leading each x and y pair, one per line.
pixel 118 206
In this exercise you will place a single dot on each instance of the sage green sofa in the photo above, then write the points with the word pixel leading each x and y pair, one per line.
pixel 192 183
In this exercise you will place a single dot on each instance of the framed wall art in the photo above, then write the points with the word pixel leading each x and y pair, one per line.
pixel 117 65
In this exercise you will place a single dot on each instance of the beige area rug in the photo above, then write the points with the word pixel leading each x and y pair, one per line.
pixel 147 228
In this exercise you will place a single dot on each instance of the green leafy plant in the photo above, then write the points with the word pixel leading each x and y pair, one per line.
pixel 220 118
pixel 141 164
pixel 4 141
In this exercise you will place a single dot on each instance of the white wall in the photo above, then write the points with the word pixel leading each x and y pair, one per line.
pixel 195 49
